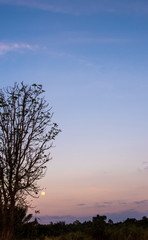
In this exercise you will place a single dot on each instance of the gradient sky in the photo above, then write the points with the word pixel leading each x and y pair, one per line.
pixel 91 56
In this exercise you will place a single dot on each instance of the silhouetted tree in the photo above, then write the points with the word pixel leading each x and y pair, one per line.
pixel 21 218
pixel 26 135
pixel 98 227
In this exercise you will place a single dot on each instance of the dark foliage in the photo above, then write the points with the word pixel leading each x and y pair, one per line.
pixel 97 229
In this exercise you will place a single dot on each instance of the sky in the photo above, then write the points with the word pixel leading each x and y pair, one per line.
pixel 92 59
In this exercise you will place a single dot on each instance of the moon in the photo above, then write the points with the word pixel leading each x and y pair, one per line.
pixel 43 193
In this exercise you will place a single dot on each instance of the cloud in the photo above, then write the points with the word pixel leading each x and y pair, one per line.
pixel 141 202
pixel 103 204
pixel 115 216
pixel 86 37
pixel 77 7
pixel 143 167
pixel 108 203
pixel 5 48
pixel 122 216
pixel 96 40
pixel 53 6
pixel 115 204
pixel 81 204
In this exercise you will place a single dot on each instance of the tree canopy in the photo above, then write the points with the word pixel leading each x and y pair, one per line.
pixel 26 136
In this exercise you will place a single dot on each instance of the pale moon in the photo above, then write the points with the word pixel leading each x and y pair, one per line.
pixel 42 193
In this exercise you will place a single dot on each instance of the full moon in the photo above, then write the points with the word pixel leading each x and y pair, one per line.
pixel 42 193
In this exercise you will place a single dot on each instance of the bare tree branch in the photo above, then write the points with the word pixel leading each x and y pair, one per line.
pixel 26 136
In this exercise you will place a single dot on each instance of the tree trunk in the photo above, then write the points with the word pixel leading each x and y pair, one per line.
pixel 6 235
pixel 7 231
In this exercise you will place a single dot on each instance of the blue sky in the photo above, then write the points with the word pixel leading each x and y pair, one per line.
pixel 91 58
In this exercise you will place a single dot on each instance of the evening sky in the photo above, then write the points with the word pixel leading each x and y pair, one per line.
pixel 92 59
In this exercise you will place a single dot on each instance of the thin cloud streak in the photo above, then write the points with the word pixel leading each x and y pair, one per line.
pixel 114 204
pixel 79 7
pixel 81 204
pixel 115 216
pixel 42 5
pixel 67 38
pixel 5 48
pixel 141 202
pixel 90 40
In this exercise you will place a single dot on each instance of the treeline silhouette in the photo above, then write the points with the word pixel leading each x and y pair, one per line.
pixel 97 229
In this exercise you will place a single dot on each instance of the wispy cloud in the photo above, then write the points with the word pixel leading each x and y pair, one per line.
pixel 115 216
pixel 12 47
pixel 141 202
pixel 143 167
pixel 115 204
pixel 81 204
pixel 123 215
pixel 97 40
pixel 86 37
pixel 77 7
pixel 37 4
pixel 6 48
